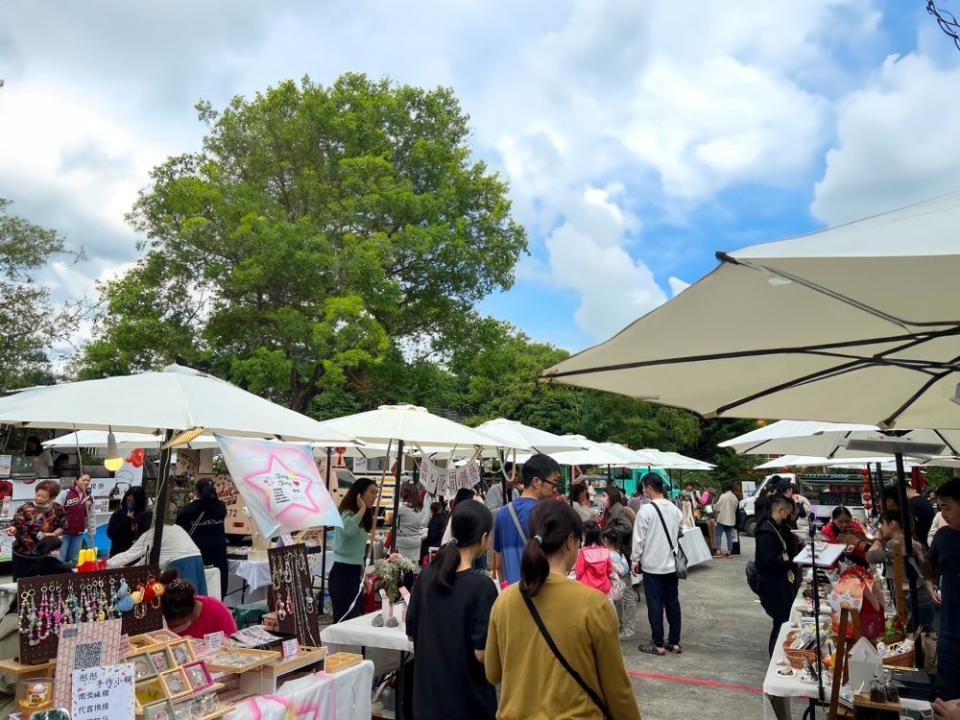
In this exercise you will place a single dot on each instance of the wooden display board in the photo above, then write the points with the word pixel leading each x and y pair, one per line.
pixel 292 591
pixel 62 586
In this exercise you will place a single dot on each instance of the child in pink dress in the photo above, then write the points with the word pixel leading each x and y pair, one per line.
pixel 594 565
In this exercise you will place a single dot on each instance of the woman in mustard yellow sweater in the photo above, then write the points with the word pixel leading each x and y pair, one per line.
pixel 553 643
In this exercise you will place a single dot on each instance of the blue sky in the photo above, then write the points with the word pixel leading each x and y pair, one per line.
pixel 638 138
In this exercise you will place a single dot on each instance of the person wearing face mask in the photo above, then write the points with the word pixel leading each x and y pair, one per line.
pixel 122 529
pixel 78 519
pixel 35 520
pixel 447 621
pixel 776 548
pixel 553 644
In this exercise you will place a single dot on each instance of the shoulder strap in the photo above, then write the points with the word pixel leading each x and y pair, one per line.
pixel 663 524
pixel 516 521
pixel 197 522
pixel 563 661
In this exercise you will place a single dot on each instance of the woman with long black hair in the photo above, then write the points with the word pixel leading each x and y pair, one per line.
pixel 546 617
pixel 123 529
pixel 447 621
pixel 349 548
pixel 203 519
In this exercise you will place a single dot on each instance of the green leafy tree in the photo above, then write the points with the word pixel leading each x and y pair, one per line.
pixel 317 230
pixel 29 323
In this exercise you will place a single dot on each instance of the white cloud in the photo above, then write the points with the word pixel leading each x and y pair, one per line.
pixel 896 142
pixel 587 254
pixel 677 285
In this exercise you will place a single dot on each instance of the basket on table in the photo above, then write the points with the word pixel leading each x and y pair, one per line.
pixel 798 659
pixel 905 660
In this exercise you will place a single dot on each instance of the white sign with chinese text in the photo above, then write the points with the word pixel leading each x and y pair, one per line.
pixel 102 692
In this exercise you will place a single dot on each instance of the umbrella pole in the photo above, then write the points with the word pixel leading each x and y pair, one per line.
pixel 396 491
pixel 323 544
pixel 908 557
pixel 503 478
pixel 163 493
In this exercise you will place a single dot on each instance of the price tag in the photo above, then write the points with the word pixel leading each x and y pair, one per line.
pixel 214 641
pixel 290 648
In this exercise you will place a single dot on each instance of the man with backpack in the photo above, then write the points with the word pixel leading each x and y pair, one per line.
pixel 656 537
pixel 776 571
pixel 541 475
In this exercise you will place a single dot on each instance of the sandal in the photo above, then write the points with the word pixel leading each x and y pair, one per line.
pixel 675 649
pixel 651 649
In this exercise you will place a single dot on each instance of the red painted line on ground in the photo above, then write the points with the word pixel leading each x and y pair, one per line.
pixel 696 681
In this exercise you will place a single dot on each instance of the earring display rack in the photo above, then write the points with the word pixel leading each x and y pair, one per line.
pixel 292 591
pixel 46 604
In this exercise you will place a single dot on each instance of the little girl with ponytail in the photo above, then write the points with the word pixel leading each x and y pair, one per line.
pixel 447 621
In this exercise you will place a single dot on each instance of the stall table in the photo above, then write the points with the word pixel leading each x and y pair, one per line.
pixel 359 632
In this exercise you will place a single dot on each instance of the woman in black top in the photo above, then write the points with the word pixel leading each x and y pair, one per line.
pixel 447 621
pixel 203 519
pixel 122 529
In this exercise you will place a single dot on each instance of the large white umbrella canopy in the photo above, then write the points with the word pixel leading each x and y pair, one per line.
pixel 97 439
pixel 857 323
pixel 177 398
pixel 513 435
pixel 829 440
pixel 409 423
pixel 668 460
pixel 799 461
pixel 594 453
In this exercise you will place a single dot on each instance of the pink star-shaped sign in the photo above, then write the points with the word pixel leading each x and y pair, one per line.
pixel 296 478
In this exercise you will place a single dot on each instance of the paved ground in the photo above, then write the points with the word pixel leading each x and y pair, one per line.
pixel 724 659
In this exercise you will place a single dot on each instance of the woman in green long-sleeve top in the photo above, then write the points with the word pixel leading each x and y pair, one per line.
pixel 349 547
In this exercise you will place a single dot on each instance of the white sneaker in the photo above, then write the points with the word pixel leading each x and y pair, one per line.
pixel 626 634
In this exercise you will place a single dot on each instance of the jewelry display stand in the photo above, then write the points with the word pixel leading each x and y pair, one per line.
pixel 292 592
pixel 49 603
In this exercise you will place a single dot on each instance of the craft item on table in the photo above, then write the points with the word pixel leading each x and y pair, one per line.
pixel 162 710
pixel 292 593
pixel 280 485
pixel 827 554
pixel 165 636
pixel 255 636
pixel 150 691
pixel 176 684
pixel 198 675
pixel 87 561
pixel 238 660
pixel 82 646
pixel 392 572
pixel 446 481
pixel 341 661
pixel 103 692
pixel 142 642
pixel 161 659
pixel 51 714
pixel 143 666
pixel 36 694
pixel 864 665
pixel 182 652
pixel 50 603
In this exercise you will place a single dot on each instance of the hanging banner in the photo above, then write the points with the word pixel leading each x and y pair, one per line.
pixel 446 482
pixel 280 485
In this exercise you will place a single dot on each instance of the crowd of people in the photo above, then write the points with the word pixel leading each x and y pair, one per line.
pixel 936 544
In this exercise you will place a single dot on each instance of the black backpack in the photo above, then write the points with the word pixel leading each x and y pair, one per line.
pixel 753 577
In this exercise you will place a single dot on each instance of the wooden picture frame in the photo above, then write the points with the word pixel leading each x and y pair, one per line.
pixel 176 683
pixel 162 710
pixel 143 667
pixel 198 676
pixel 164 636
pixel 182 652
pixel 161 658
pixel 149 692
pixel 141 642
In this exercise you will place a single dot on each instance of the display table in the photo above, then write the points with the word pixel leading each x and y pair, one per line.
pixel 695 547
pixel 360 633
pixel 778 690
pixel 344 695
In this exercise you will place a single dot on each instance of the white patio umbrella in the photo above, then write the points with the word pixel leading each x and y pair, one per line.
pixel 668 460
pixel 408 425
pixel 855 324
pixel 791 461
pixel 175 399
pixel 797 437
pixel 97 439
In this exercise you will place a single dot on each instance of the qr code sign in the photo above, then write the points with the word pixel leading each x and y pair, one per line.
pixel 88 655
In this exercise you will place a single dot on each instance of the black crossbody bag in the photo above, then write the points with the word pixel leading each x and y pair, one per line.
pixel 598 701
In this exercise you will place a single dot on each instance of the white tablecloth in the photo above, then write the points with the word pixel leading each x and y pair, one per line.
pixel 257 572
pixel 353 688
pixel 359 632
pixel 778 689
pixel 695 547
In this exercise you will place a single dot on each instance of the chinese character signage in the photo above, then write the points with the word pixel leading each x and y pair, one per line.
pixel 103 692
